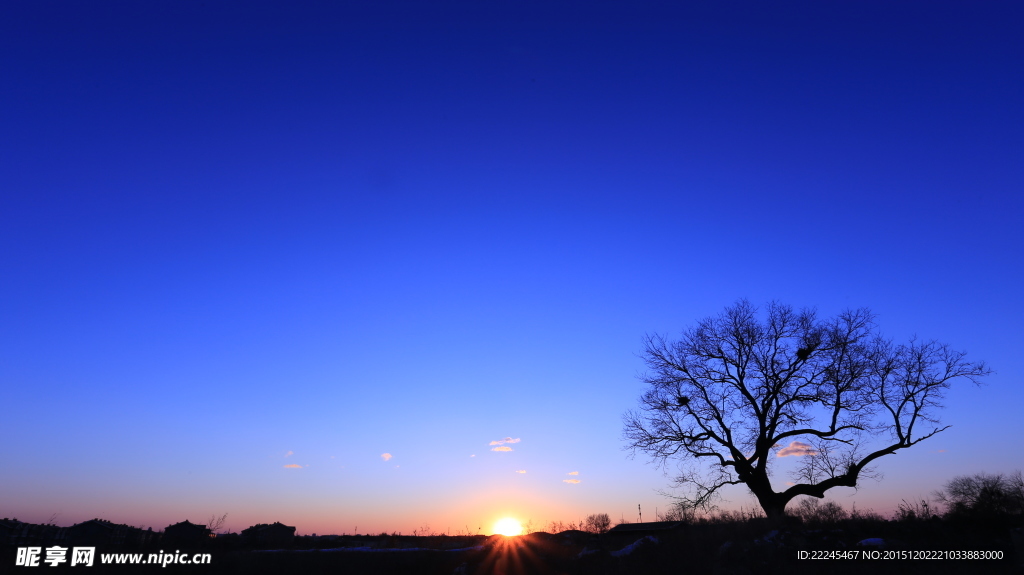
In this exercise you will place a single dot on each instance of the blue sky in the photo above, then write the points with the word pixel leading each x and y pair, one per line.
pixel 232 233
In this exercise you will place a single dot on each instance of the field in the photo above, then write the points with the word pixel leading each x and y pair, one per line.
pixel 870 546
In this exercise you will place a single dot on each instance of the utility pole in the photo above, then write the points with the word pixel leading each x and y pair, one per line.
pixel 641 513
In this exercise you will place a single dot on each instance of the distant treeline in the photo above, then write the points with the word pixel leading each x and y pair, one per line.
pixel 104 533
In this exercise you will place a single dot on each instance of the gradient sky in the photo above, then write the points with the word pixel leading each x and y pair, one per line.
pixel 247 250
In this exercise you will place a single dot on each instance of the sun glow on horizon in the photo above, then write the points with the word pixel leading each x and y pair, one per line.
pixel 508 526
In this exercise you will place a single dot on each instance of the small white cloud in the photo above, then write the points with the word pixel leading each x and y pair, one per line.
pixel 573 473
pixel 572 481
pixel 502 448
pixel 385 456
pixel 474 455
pixel 798 449
pixel 520 471
pixel 292 466
pixel 289 454
pixel 504 441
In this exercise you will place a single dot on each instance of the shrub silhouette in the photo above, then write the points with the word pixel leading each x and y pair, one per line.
pixel 984 497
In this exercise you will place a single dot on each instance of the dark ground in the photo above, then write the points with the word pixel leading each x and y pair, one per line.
pixel 752 547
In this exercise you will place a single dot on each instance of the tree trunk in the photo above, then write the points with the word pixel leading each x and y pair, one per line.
pixel 775 510
pixel 774 505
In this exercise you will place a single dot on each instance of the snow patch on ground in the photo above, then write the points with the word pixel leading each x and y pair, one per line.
pixel 634 546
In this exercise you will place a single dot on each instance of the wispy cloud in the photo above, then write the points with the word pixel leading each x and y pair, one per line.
pixel 502 448
pixel 797 448
pixel 289 454
pixel 573 473
pixel 292 466
pixel 504 441
pixel 520 471
pixel 385 456
pixel 572 481
pixel 474 455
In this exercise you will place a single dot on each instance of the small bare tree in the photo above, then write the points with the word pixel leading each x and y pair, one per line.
pixel 984 495
pixel 680 511
pixel 736 391
pixel 598 523
pixel 215 523
pixel 814 511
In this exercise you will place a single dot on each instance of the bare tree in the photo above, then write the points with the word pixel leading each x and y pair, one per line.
pixel 598 523
pixel 814 511
pixel 680 511
pixel 982 495
pixel 215 523
pixel 736 391
pixel 556 527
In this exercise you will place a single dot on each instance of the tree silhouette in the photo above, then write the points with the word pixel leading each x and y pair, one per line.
pixel 215 523
pixel 736 391
pixel 983 496
pixel 598 523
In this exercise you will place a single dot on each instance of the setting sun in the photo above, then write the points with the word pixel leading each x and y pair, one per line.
pixel 508 526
